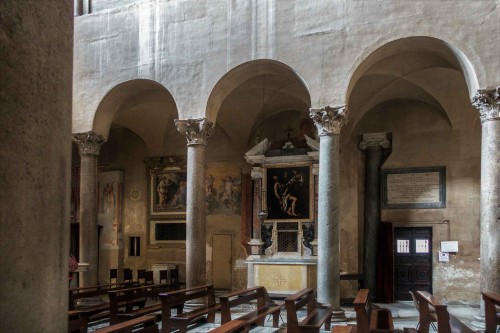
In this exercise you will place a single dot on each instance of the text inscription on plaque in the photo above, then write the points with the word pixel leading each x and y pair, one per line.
pixel 414 188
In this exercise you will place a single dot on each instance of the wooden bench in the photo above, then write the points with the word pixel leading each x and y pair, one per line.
pixel 131 298
pixel 446 323
pixel 177 299
pixel 147 325
pixel 369 318
pixel 491 314
pixel 245 296
pixel 317 314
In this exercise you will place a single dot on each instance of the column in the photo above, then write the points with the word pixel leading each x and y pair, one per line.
pixel 197 132
pixel 373 145
pixel 35 164
pixel 259 212
pixel 89 145
pixel 487 102
pixel 314 243
pixel 329 121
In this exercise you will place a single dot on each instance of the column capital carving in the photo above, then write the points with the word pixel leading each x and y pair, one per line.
pixel 375 140
pixel 88 143
pixel 487 102
pixel 196 131
pixel 329 120
pixel 257 173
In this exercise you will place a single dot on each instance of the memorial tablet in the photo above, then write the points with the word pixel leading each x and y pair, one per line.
pixel 414 188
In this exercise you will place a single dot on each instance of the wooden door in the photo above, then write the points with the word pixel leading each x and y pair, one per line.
pixel 222 256
pixel 412 261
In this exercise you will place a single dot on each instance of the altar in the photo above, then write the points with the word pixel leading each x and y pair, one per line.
pixel 283 247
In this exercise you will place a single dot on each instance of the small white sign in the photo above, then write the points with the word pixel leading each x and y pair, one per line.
pixel 444 256
pixel 449 246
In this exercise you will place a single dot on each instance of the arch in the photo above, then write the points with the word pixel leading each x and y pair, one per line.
pixel 380 49
pixel 143 106
pixel 244 72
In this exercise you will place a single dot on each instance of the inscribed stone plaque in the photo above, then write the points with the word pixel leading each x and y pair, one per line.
pixel 414 188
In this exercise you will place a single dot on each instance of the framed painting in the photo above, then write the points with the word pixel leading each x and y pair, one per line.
pixel 168 192
pixel 289 193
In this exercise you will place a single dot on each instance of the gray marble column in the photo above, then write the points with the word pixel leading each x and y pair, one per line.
pixel 488 103
pixel 89 145
pixel 329 122
pixel 373 145
pixel 36 56
pixel 314 243
pixel 197 132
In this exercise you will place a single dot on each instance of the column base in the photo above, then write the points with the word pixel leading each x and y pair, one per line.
pixel 314 245
pixel 338 315
pixel 255 246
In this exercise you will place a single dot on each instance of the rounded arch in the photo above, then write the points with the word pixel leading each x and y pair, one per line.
pixel 244 72
pixel 383 48
pixel 144 106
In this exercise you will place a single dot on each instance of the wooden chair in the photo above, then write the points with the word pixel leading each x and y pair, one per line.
pixel 113 274
pixel 148 278
pixel 141 275
pixel 164 275
pixel 127 274
pixel 174 279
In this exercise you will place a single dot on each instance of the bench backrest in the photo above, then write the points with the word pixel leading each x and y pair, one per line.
pixel 176 299
pixel 363 308
pixel 297 301
pixel 491 301
pixel 239 297
pixel 100 290
pixel 445 322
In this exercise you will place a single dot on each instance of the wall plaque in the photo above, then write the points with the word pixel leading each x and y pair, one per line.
pixel 414 188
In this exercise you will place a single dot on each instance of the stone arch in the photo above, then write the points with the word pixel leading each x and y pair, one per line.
pixel 248 89
pixel 144 106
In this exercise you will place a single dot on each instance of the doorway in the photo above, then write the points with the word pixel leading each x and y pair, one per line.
pixel 412 261
pixel 222 256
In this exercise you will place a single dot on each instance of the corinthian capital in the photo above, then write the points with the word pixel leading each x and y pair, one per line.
pixel 88 143
pixel 329 120
pixel 196 131
pixel 487 102
pixel 375 140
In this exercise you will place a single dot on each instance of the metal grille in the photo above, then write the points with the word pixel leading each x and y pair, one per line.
pixel 287 241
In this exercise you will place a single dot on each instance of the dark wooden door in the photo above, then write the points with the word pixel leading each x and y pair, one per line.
pixel 412 261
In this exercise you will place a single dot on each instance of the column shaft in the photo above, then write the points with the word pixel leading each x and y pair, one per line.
pixel 490 206
pixel 195 217
pixel 88 220
pixel 328 222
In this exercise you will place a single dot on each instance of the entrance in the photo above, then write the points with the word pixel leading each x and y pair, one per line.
pixel 412 261
pixel 222 256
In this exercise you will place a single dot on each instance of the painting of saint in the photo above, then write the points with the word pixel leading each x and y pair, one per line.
pixel 288 193
pixel 168 191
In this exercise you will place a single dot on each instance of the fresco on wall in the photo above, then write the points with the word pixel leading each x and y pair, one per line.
pixel 223 189
pixel 110 206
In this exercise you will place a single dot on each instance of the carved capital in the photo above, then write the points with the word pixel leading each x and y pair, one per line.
pixel 375 140
pixel 257 173
pixel 487 102
pixel 329 120
pixel 196 131
pixel 88 143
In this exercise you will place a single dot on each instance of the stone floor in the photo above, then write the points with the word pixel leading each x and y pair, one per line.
pixel 404 315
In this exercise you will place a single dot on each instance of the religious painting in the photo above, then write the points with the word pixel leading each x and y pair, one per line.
pixel 288 193
pixel 168 192
pixel 110 187
pixel 223 189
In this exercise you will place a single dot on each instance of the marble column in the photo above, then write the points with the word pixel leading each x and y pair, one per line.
pixel 314 243
pixel 488 104
pixel 373 145
pixel 329 121
pixel 36 59
pixel 197 132
pixel 89 145
pixel 258 212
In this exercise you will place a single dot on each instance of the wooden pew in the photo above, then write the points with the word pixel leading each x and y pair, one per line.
pixel 177 299
pixel 491 314
pixel 244 296
pixel 317 314
pixel 446 323
pixel 134 297
pixel 147 325
pixel 369 318
pixel 100 290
